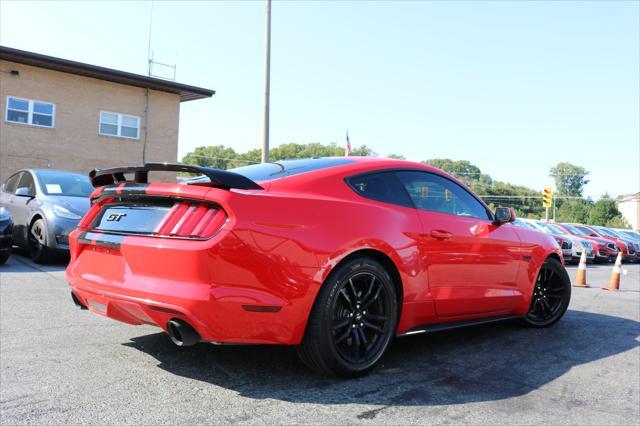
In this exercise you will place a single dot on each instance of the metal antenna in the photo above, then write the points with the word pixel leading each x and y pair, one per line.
pixel 165 71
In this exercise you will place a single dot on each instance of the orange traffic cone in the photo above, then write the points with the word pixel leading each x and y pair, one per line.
pixel 614 282
pixel 581 277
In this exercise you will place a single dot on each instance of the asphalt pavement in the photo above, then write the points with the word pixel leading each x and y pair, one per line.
pixel 60 365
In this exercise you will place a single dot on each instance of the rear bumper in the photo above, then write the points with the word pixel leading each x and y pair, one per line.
pixel 218 286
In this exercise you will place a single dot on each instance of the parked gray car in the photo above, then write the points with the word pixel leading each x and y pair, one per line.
pixel 46 205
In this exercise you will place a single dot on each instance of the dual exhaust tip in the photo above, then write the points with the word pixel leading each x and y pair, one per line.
pixel 181 333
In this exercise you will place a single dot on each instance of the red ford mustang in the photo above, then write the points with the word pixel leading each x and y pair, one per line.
pixel 334 255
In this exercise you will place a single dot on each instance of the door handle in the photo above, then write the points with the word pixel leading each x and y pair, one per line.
pixel 441 235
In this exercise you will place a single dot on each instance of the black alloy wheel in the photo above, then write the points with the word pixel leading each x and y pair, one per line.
pixel 551 295
pixel 353 320
pixel 38 250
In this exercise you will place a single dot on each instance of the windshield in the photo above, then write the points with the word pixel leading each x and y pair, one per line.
pixel 630 234
pixel 587 231
pixel 576 231
pixel 549 228
pixel 523 224
pixel 559 228
pixel 607 232
pixel 268 171
pixel 55 182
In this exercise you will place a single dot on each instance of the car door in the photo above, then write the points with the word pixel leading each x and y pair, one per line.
pixel 472 264
pixel 22 206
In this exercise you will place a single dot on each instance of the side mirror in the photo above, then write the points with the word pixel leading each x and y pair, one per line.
pixel 24 192
pixel 504 215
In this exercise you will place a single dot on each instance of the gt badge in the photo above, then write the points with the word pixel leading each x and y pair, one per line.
pixel 115 217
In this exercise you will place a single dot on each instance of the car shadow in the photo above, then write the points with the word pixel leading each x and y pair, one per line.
pixel 20 256
pixel 475 364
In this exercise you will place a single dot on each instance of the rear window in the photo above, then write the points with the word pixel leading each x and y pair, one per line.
pixel 278 169
pixel 383 186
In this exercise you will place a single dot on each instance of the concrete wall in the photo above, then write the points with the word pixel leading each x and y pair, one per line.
pixel 74 143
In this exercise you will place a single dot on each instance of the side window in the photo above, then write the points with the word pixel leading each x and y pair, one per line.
pixel 120 125
pixel 28 111
pixel 383 186
pixel 26 181
pixel 438 194
pixel 11 184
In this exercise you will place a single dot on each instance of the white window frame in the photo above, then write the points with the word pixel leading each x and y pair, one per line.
pixel 30 113
pixel 119 125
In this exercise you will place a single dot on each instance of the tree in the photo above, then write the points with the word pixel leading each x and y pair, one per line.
pixel 605 213
pixel 217 156
pixel 570 179
pixel 396 156
pixel 363 151
pixel 253 156
pixel 462 169
pixel 574 210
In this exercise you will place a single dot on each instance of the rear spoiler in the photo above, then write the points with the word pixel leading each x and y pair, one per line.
pixel 219 178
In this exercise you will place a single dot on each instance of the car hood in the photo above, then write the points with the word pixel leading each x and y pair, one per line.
pixel 583 240
pixel 78 205
pixel 600 240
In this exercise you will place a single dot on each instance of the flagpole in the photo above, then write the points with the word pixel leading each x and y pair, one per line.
pixel 267 81
pixel 347 148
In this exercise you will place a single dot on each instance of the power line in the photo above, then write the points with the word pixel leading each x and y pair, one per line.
pixel 222 158
pixel 526 196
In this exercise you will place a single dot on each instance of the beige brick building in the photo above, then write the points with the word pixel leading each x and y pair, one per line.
pixel 69 115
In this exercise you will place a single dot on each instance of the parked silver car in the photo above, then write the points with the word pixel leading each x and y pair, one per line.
pixel 573 251
pixel 46 205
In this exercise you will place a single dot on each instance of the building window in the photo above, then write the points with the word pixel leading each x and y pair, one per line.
pixel 27 111
pixel 120 125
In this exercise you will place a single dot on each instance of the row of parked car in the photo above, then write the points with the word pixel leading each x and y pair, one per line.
pixel 39 208
pixel 600 244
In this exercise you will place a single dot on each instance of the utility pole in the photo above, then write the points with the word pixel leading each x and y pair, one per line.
pixel 267 78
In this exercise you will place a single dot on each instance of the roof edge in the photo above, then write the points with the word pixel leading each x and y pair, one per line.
pixel 185 91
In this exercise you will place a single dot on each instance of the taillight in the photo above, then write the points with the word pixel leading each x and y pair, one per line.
pixel 194 220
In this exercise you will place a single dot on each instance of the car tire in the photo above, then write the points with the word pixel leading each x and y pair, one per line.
pixel 551 295
pixel 353 320
pixel 4 256
pixel 37 242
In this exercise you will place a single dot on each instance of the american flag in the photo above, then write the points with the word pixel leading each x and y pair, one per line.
pixel 347 149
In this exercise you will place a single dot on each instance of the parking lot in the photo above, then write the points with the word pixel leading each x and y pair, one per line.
pixel 65 366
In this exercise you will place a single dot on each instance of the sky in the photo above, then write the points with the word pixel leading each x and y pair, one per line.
pixel 512 86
